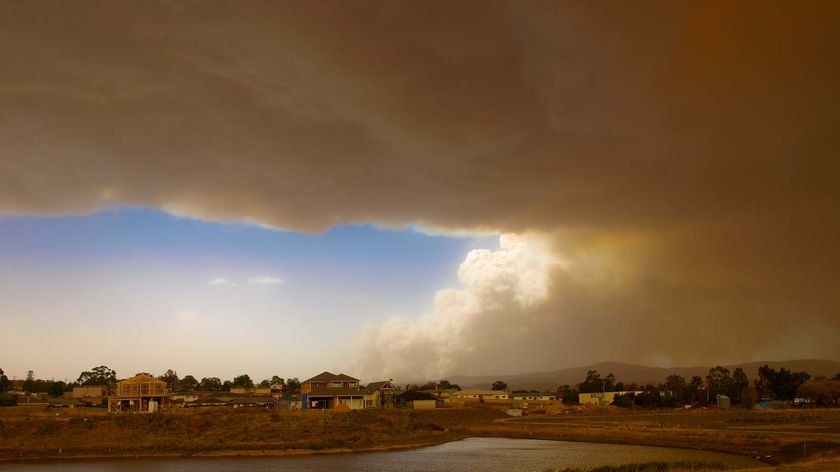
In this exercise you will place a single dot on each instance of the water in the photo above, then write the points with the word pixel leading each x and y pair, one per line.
pixel 468 455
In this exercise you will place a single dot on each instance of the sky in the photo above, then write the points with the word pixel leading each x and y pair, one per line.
pixel 403 190
pixel 205 298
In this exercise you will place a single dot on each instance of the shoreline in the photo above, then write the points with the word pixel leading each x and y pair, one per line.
pixel 268 453
pixel 227 453
pixel 38 438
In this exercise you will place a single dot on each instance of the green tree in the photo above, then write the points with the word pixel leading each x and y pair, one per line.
pixel 278 383
pixel 210 384
pixel 29 383
pixel 592 383
pixel 739 383
pixel 762 382
pixel 171 379
pixel 8 399
pixel 499 385
pixel 676 387
pixel 243 380
pixel 567 394
pixel 265 383
pixel 188 383
pixel 694 393
pixel 624 401
pixel 446 385
pixel 4 382
pixel 781 384
pixel 718 381
pixel 56 389
pixel 609 383
pixel 101 375
pixel 293 385
pixel 823 392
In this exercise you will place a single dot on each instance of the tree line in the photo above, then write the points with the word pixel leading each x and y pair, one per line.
pixel 107 377
pixel 769 384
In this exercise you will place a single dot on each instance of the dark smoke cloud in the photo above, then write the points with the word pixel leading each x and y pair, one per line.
pixel 689 147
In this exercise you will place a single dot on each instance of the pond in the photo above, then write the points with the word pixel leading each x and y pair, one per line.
pixel 467 455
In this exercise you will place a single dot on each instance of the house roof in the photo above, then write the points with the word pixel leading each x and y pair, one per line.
pixel 374 386
pixel 328 392
pixel 480 392
pixel 329 377
pixel 231 399
pixel 252 399
pixel 207 401
pixel 141 378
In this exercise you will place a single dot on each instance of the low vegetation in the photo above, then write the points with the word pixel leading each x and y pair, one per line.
pixel 678 466
pixel 778 437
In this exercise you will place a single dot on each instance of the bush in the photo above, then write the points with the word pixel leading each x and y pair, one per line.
pixel 8 399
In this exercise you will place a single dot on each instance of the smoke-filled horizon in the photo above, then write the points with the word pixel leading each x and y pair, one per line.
pixel 662 173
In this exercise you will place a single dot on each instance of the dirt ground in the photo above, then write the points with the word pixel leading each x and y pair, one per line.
pixel 789 440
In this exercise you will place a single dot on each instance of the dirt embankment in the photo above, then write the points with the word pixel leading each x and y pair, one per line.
pixel 32 434
pixel 777 437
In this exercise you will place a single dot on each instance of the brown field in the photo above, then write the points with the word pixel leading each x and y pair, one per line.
pixel 791 440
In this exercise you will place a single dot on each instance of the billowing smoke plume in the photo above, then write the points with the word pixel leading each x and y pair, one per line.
pixel 500 288
pixel 679 158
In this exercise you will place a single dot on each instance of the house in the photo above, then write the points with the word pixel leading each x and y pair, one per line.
pixel 326 391
pixel 210 400
pixel 232 400
pixel 417 400
pixel 443 393
pixel 141 393
pixel 602 398
pixel 480 395
pixel 251 390
pixel 379 394
pixel 534 396
pixel 261 401
pixel 188 396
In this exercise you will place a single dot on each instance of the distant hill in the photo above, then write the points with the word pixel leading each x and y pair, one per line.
pixel 634 373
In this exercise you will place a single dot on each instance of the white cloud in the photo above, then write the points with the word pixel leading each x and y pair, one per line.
pixel 221 281
pixel 499 288
pixel 265 280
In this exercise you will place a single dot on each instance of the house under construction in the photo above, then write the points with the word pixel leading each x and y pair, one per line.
pixel 141 393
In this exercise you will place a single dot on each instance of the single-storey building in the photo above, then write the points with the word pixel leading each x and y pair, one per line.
pixel 602 398
pixel 480 395
pixel 326 391
pixel 417 400
pixel 251 390
pixel 534 396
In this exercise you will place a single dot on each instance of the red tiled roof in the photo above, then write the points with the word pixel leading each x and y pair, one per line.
pixel 330 377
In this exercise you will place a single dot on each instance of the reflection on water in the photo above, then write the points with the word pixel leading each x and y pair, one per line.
pixel 469 455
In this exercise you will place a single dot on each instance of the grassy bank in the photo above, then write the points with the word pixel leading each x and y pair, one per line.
pixel 69 433
pixel 678 466
pixel 777 438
